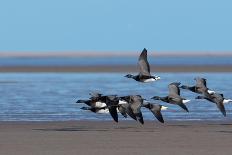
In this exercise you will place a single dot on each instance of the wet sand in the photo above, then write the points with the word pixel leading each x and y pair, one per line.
pixel 109 138
pixel 116 68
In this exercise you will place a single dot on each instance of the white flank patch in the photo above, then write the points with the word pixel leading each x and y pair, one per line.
pixel 157 78
pixel 122 102
pixel 100 104
pixel 164 108
pixel 103 111
pixel 149 80
pixel 211 91
pixel 185 101
pixel 225 101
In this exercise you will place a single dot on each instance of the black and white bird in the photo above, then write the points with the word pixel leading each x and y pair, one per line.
pixel 174 96
pixel 95 101
pixel 200 87
pixel 136 102
pixel 218 99
pixel 102 104
pixel 144 70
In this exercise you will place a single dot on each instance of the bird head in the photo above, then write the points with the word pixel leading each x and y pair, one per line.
pixel 155 98
pixel 129 76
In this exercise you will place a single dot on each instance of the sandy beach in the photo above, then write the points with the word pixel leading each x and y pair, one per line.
pixel 104 138
pixel 116 68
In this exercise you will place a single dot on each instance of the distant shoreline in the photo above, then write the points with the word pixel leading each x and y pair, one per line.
pixel 116 68
pixel 114 54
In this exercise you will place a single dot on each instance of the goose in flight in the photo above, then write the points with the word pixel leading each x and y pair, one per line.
pixel 134 105
pixel 102 104
pixel 144 70
pixel 200 87
pixel 127 105
pixel 218 99
pixel 174 96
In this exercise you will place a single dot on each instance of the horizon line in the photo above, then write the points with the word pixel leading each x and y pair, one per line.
pixel 112 54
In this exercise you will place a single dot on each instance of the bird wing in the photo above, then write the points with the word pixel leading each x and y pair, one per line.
pixel 216 97
pixel 221 108
pixel 183 106
pixel 144 67
pixel 156 110
pixel 174 88
pixel 112 104
pixel 202 89
pixel 122 110
pixel 139 117
pixel 126 98
pixel 129 111
pixel 95 94
pixel 114 113
pixel 175 98
pixel 200 82
pixel 136 108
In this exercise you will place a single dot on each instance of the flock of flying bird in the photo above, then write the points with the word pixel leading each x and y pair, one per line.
pixel 131 105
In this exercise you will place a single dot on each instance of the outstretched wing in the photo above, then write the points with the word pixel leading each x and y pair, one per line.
pixel 113 113
pixel 200 82
pixel 156 110
pixel 95 94
pixel 129 111
pixel 174 88
pixel 144 67
pixel 135 105
pixel 221 108
pixel 183 106
pixel 122 110
pixel 112 103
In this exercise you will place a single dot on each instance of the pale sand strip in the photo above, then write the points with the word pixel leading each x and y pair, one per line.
pixel 117 68
pixel 109 138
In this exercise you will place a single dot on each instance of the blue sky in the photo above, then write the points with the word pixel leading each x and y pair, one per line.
pixel 115 25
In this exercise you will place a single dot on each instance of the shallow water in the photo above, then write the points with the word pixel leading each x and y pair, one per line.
pixel 52 96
